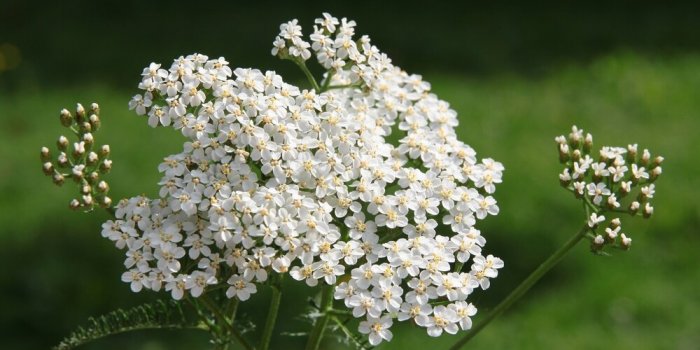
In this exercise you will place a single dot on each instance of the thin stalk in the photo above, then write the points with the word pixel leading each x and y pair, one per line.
pixel 271 317
pixel 524 286
pixel 348 333
pixel 211 327
pixel 224 322
pixel 232 309
pixel 308 74
pixel 327 81
pixel 320 327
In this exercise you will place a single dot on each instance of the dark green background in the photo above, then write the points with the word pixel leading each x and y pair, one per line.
pixel 517 75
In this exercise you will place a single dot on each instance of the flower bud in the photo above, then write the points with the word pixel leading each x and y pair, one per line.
pixel 87 200
pixel 63 160
pixel 575 136
pixel 103 187
pixel 615 223
pixel 95 121
pixel 74 204
pixel 658 160
pixel 78 149
pixel 612 202
pixel 579 188
pixel 93 177
pixel 92 159
pixel 648 210
pixel 597 243
pixel 655 172
pixel 645 157
pixel 86 189
pixel 62 143
pixel 588 143
pixel 611 234
pixel 565 178
pixel 77 172
pixel 94 108
pixel 85 127
pixel 563 152
pixel 576 155
pixel 594 220
pixel 625 242
pixel 80 113
pixel 58 179
pixel 48 168
pixel 634 207
pixel 104 151
pixel 632 153
pixel 106 166
pixel 89 139
pixel 625 187
pixel 45 154
pixel 66 118
pixel 106 202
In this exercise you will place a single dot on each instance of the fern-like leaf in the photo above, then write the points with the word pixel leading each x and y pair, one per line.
pixel 156 315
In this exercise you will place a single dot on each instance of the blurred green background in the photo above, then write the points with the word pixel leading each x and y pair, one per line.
pixel 517 75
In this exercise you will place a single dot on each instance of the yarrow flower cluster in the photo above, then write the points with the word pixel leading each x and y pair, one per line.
pixel 278 179
pixel 619 181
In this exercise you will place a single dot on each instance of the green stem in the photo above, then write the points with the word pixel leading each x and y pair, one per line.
pixel 232 309
pixel 327 81
pixel 211 327
pixel 225 322
pixel 524 286
pixel 320 327
pixel 271 317
pixel 308 74
pixel 348 333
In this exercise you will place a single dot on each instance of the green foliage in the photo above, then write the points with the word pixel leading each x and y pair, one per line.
pixel 157 315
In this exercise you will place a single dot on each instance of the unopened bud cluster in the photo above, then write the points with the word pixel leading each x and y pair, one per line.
pixel 82 161
pixel 615 181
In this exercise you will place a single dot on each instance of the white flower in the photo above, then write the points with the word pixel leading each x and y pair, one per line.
pixel 139 103
pixel 639 172
pixel 625 241
pixel 377 328
pixel 595 219
pixel 136 278
pixel 198 281
pixel 240 288
pixel 464 312
pixel 176 286
pixel 304 273
pixel 597 191
pixel 443 319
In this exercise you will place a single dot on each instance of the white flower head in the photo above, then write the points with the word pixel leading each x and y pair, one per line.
pixel 276 179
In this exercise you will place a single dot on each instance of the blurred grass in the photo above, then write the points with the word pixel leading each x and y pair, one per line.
pixel 58 270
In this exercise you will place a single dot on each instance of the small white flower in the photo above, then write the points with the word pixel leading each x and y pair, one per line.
pixel 240 288
pixel 597 191
pixel 377 328
pixel 595 219
pixel 443 319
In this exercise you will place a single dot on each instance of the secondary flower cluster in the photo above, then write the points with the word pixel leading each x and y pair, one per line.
pixel 277 178
pixel 619 181
pixel 84 162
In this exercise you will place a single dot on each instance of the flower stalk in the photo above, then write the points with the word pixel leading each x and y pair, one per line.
pixel 271 317
pixel 523 287
pixel 320 326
